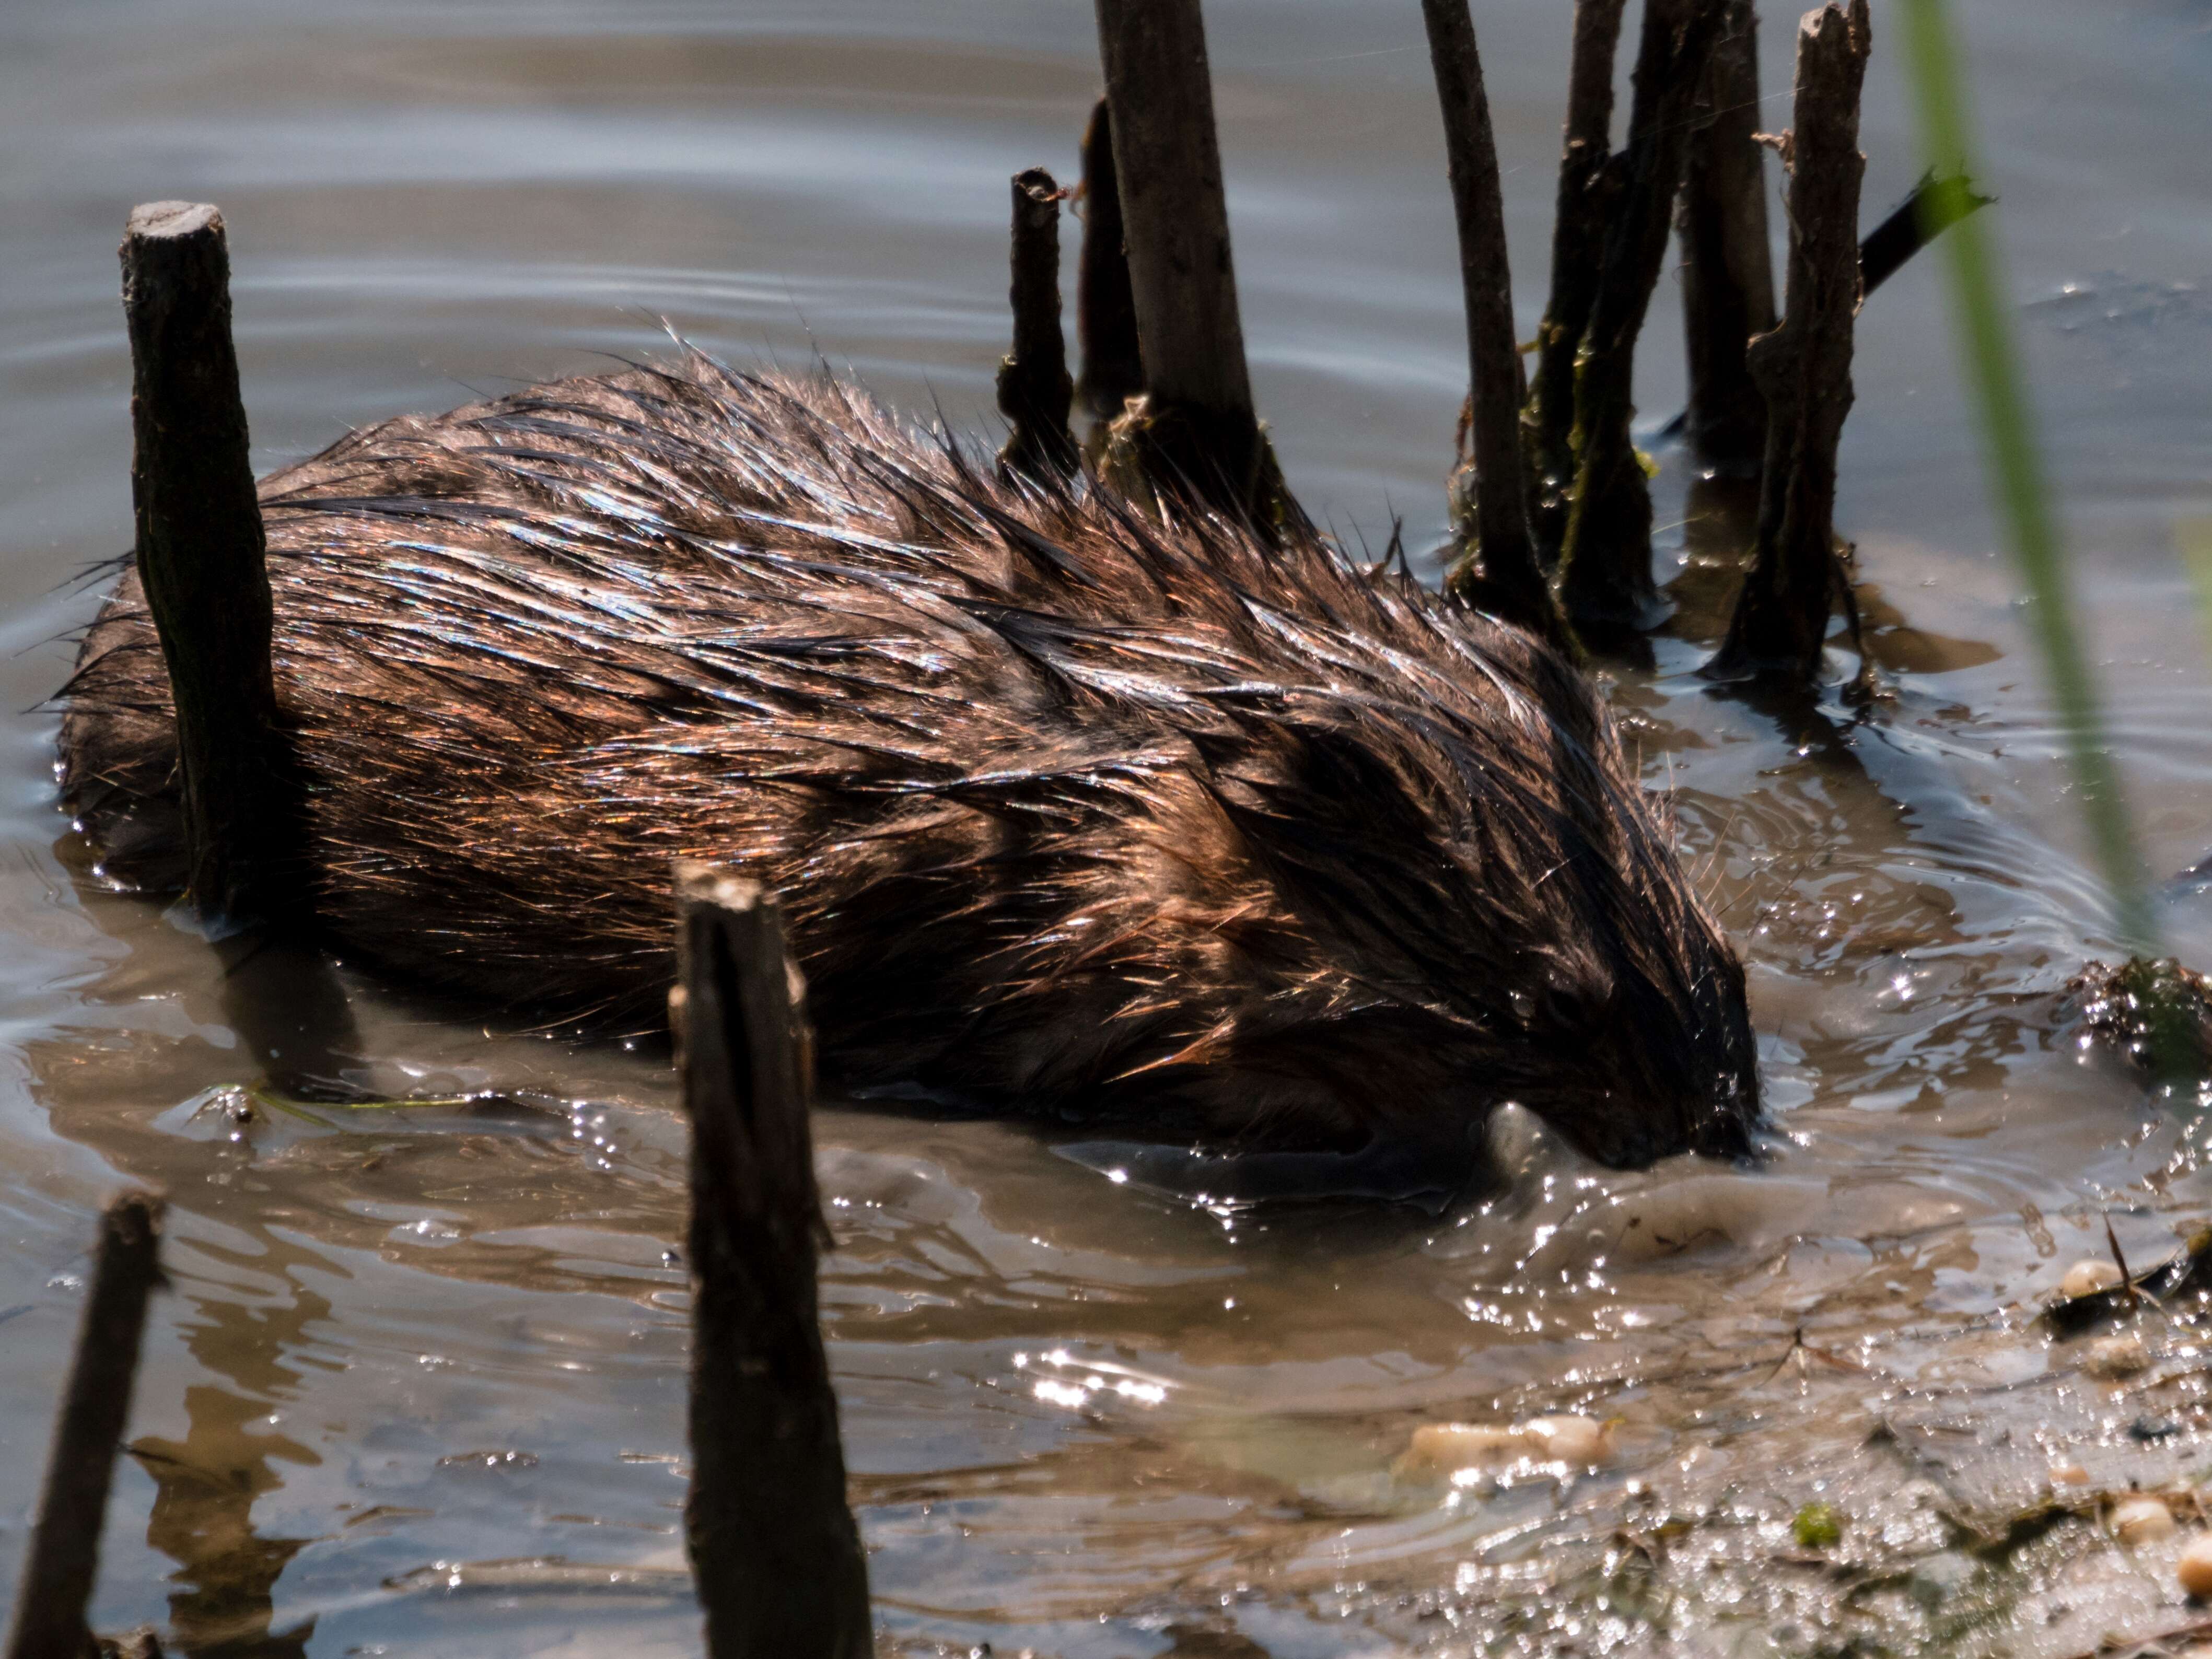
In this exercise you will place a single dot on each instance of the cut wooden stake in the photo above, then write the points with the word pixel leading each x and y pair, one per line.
pixel 1586 191
pixel 1197 432
pixel 1934 205
pixel 1496 568
pixel 773 1546
pixel 201 558
pixel 1804 366
pixel 1035 393
pixel 63 1558
pixel 1105 309
pixel 1728 267
pixel 1605 563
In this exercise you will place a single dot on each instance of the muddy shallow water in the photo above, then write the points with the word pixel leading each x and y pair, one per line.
pixel 419 1388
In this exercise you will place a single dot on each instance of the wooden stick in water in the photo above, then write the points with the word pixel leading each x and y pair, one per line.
pixel 1198 431
pixel 1728 267
pixel 1035 393
pixel 773 1544
pixel 63 1558
pixel 1105 309
pixel 1804 366
pixel 1496 568
pixel 1584 208
pixel 202 560
pixel 1605 563
pixel 1934 205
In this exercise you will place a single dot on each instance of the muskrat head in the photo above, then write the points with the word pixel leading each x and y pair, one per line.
pixel 1437 892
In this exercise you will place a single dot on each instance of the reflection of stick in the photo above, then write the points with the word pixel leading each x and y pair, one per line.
pixel 1804 366
pixel 63 1559
pixel 203 559
pixel 774 1549
pixel 1498 568
pixel 1034 390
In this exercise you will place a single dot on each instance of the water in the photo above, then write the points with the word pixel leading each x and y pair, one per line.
pixel 419 1387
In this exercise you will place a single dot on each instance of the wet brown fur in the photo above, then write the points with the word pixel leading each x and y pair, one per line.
pixel 1070 810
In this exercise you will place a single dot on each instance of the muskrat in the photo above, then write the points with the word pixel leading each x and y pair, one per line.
pixel 1071 806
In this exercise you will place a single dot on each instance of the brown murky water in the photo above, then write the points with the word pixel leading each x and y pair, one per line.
pixel 419 1388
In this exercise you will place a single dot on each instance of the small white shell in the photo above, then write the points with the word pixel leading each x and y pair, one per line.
pixel 2141 1521
pixel 2194 1567
pixel 1569 1439
pixel 1444 1448
pixel 2088 1278
pixel 2110 1356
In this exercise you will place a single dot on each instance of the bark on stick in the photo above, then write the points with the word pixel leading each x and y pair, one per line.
pixel 1605 564
pixel 1728 267
pixel 203 559
pixel 1497 567
pixel 1105 309
pixel 773 1544
pixel 63 1559
pixel 1035 393
pixel 1197 429
pixel 1804 366
pixel 1583 209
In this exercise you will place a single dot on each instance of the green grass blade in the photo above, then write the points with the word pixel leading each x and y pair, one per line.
pixel 2017 481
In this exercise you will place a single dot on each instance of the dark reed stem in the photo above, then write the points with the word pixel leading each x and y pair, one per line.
pixel 1105 309
pixel 1583 209
pixel 1605 563
pixel 773 1544
pixel 1804 366
pixel 1496 568
pixel 1728 267
pixel 1935 206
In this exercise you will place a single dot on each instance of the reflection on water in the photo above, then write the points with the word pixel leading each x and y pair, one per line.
pixel 420 1388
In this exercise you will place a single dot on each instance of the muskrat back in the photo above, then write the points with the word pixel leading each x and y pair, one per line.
pixel 1070 808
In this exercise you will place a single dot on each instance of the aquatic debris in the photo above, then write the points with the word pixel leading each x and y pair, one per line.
pixel 1448 1448
pixel 488 1460
pixel 1818 1526
pixel 2157 1016
pixel 2141 1521
pixel 2088 1278
pixel 2069 1473
pixel 2187 1274
pixel 2194 1567
pixel 2112 1356
pixel 552 1573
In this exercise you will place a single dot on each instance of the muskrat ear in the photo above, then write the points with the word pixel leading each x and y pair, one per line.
pixel 1314 795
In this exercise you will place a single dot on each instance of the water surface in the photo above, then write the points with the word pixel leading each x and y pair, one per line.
pixel 419 1388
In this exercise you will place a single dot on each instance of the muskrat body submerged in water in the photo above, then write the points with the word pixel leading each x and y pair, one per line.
pixel 1070 809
